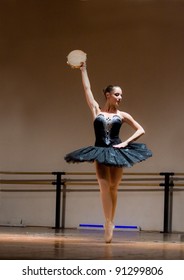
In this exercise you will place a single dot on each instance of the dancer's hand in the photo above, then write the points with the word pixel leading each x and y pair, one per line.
pixel 83 66
pixel 121 145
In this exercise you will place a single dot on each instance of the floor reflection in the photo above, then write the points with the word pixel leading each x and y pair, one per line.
pixel 48 243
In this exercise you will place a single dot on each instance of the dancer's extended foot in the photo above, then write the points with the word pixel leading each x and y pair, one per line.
pixel 108 231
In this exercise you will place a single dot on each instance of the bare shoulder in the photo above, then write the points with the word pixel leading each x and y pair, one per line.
pixel 132 122
pixel 125 116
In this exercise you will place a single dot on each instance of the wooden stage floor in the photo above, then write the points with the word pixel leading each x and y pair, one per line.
pixel 40 243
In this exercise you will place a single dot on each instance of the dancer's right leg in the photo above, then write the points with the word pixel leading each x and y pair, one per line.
pixel 103 176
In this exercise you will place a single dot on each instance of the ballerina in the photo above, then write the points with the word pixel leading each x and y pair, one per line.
pixel 109 153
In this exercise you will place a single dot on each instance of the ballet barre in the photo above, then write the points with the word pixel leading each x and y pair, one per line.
pixel 64 181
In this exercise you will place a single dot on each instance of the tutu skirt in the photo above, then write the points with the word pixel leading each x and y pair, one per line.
pixel 110 156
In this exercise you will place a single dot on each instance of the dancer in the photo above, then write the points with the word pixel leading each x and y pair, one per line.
pixel 109 153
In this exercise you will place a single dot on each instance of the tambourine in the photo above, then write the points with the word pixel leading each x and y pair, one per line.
pixel 76 58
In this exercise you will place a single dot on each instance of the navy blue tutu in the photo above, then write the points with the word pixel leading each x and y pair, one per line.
pixel 107 135
pixel 110 156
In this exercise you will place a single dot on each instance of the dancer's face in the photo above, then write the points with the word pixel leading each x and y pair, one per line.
pixel 115 96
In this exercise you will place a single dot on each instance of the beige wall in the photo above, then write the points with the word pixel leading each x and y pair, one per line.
pixel 136 44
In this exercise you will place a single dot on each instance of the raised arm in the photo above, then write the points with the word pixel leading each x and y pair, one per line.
pixel 93 105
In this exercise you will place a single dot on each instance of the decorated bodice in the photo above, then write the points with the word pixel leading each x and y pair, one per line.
pixel 107 130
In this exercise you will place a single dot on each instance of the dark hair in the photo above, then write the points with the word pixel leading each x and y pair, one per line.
pixel 109 88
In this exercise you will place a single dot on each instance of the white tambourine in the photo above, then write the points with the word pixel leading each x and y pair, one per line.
pixel 76 58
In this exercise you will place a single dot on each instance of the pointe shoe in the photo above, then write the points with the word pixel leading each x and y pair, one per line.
pixel 108 231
